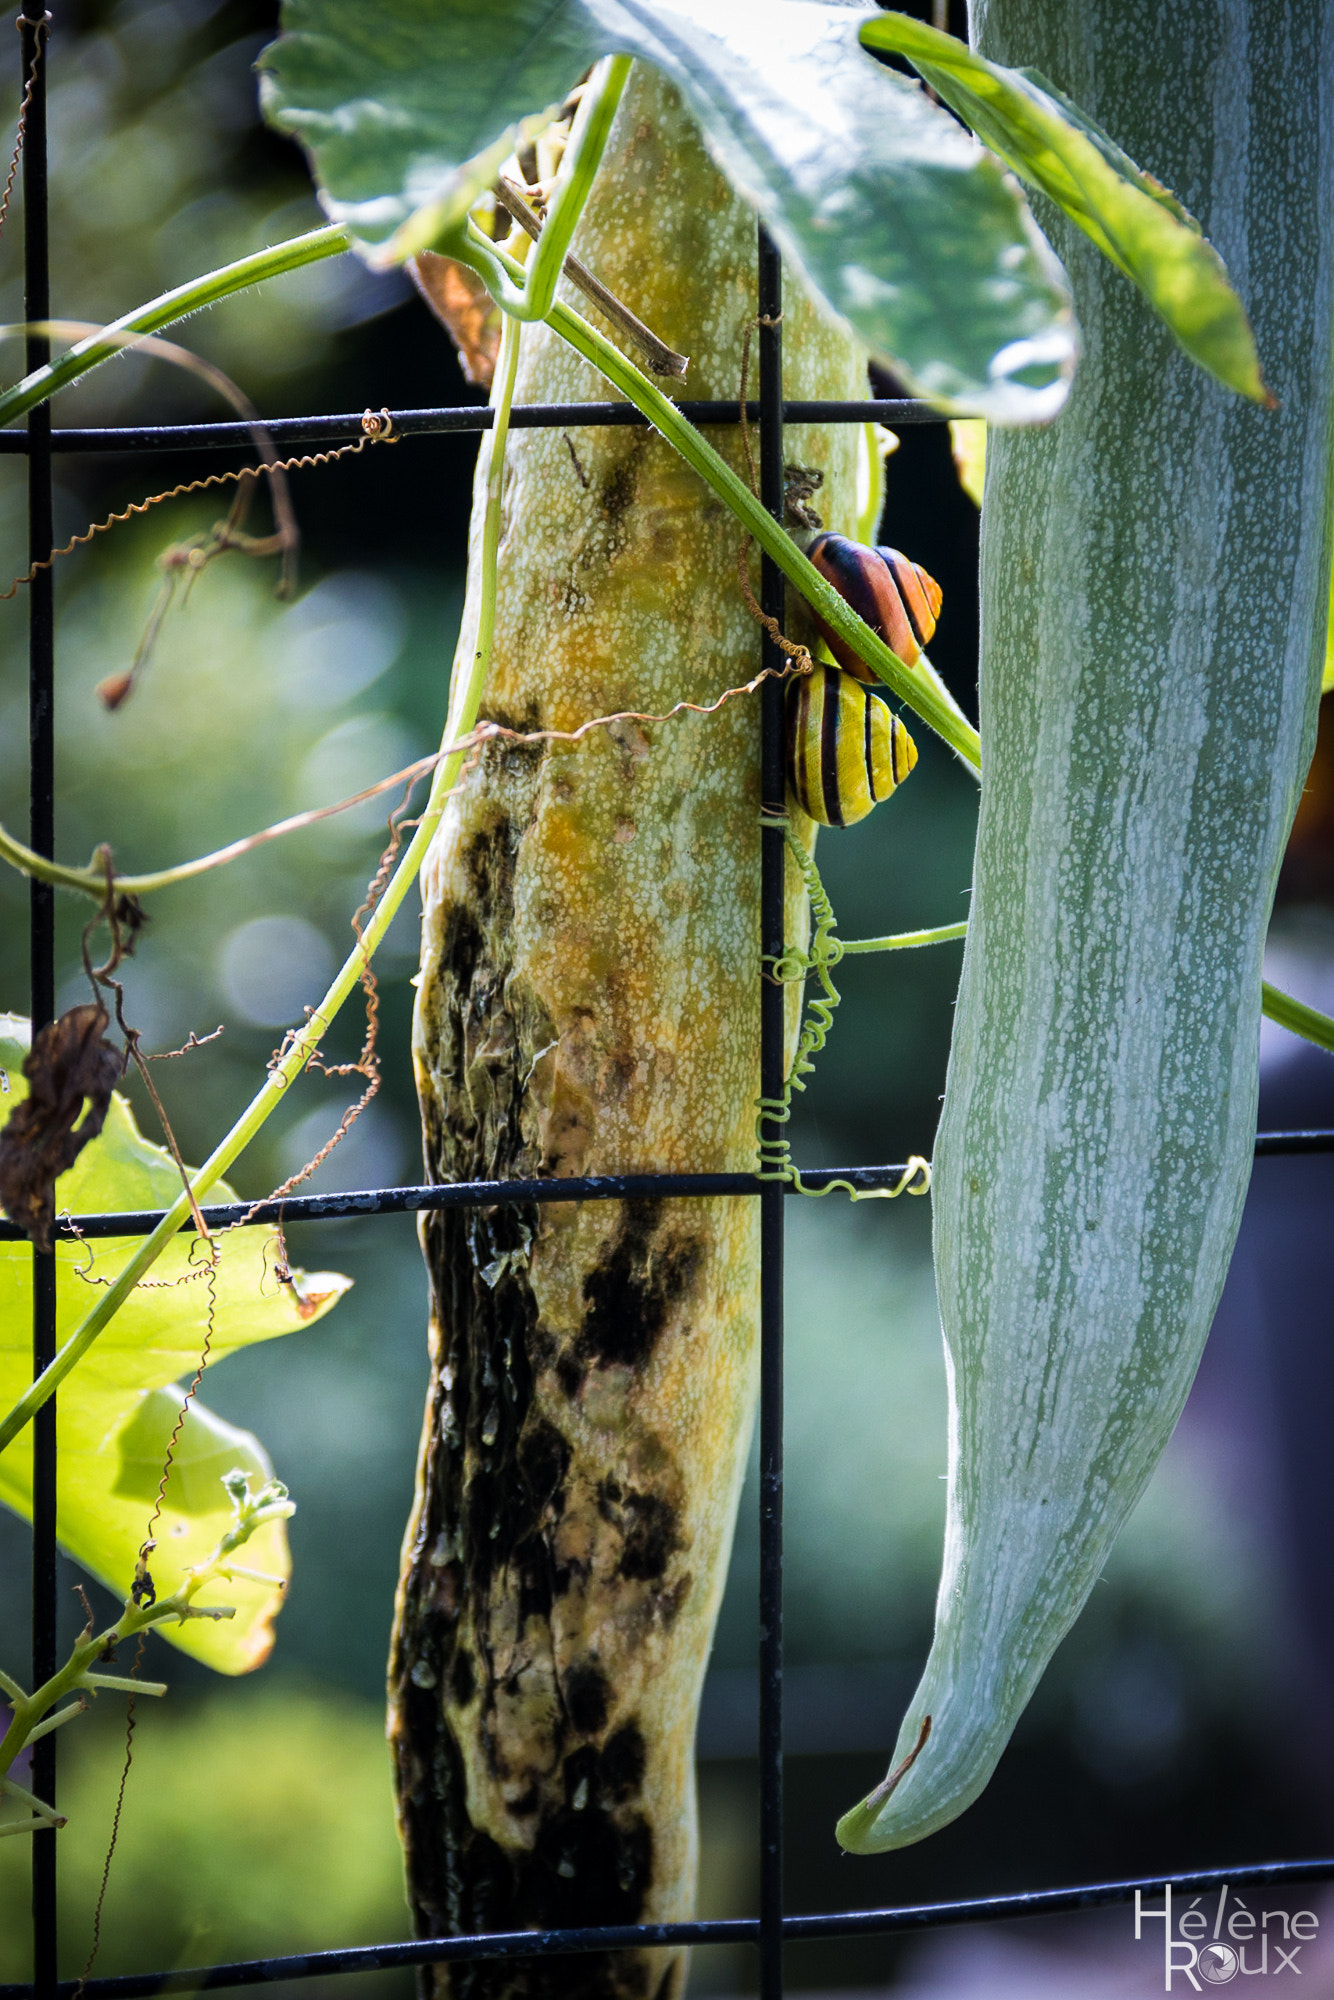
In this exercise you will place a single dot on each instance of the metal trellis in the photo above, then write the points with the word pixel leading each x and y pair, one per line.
pixel 772 1928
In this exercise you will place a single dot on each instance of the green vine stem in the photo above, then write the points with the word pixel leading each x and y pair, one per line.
pixel 1280 1007
pixel 532 299
pixel 87 881
pixel 464 703
pixel 33 1715
pixel 906 940
pixel 93 880
pixel 279 258
pixel 1295 1015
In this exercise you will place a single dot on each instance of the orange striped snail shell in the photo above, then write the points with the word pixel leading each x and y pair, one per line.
pixel 896 598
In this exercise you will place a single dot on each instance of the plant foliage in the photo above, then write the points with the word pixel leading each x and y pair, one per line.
pixel 906 228
pixel 119 1409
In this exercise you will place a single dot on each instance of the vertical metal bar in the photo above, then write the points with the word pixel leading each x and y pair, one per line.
pixel 41 745
pixel 772 870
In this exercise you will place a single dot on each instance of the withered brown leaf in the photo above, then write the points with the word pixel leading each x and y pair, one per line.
pixel 70 1066
pixel 460 300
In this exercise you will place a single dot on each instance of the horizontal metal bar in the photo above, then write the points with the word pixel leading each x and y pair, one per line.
pixel 515 1194
pixel 726 1930
pixel 459 1194
pixel 464 417
pixel 1269 1143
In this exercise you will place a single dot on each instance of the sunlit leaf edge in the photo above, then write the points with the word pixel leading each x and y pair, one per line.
pixel 1137 223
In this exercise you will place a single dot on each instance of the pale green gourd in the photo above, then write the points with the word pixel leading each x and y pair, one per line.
pixel 1155 575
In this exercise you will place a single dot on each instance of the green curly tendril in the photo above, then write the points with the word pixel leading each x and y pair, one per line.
pixel 825 950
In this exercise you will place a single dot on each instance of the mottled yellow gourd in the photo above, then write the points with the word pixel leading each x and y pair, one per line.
pixel 589 1003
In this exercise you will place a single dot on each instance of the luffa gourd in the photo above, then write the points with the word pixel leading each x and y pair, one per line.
pixel 589 1003
pixel 1154 587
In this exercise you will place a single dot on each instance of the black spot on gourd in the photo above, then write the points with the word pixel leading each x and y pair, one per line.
pixel 587 1698
pixel 618 493
pixel 648 1527
pixel 461 947
pixel 544 1460
pixel 588 1866
pixel 531 1568
pixel 489 861
pixel 632 1291
pixel 571 1375
pixel 622 1763
pixel 612 1775
pixel 616 497
pixel 525 721
pixel 652 1537
pixel 462 1678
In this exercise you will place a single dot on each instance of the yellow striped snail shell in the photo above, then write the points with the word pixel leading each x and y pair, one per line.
pixel 846 749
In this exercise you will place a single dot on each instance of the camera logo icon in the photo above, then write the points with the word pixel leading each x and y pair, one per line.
pixel 1216 1964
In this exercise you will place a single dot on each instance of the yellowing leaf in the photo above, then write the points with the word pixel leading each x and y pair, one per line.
pixel 117 1410
pixel 968 443
pixel 877 445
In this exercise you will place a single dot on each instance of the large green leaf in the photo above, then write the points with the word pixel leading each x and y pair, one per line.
pixel 1134 220
pixel 117 1411
pixel 908 230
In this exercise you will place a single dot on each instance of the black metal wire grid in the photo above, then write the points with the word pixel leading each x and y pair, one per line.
pixel 772 1928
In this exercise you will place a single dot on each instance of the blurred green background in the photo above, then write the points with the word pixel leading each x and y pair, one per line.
pixel 259 1815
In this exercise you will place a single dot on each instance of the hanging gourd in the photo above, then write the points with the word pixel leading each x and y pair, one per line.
pixel 1154 598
